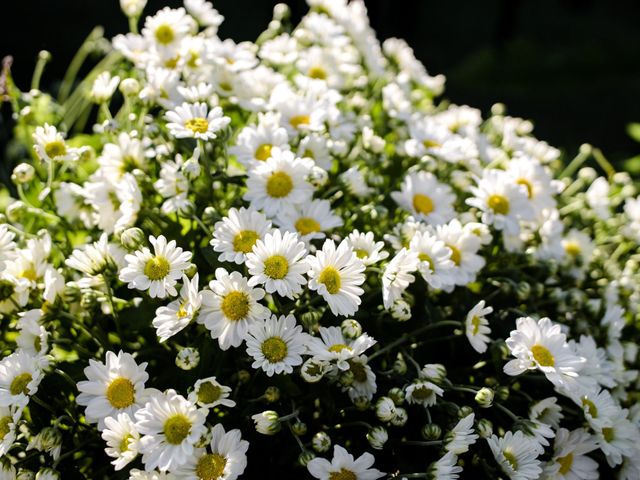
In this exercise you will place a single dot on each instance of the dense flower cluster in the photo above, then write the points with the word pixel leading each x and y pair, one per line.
pixel 293 238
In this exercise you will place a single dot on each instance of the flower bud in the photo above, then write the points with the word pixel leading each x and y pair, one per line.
pixel 385 409
pixel 243 376
pixel 321 442
pixel 502 393
pixel 346 378
pixel 318 177
pixel 431 431
pixel 435 372
pixel 23 173
pixel 464 411
pixel 313 370
pixel 281 12
pixel 401 310
pixel 299 428
pixel 48 440
pixel 272 394
pixel 351 328
pixel 484 397
pixel 305 457
pixel 191 169
pixel 401 417
pixel 400 366
pixel 267 422
pixel 210 216
pixel 129 87
pixel 16 211
pixel 132 238
pixel 397 395
pixel 188 358
pixel 361 402
pixel 484 427
pixel 377 437
pixel 132 8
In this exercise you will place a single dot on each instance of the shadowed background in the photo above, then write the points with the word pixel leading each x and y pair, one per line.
pixel 570 66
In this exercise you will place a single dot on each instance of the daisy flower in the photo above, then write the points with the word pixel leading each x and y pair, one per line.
pixel 236 234
pixel 398 275
pixel 277 262
pixel 333 347
pixel 364 380
pixel 315 147
pixel 423 392
pixel 178 314
pixel 343 465
pixel 435 258
pixel 166 29
pixel 477 326
pixel 33 338
pixel 97 257
pixel 542 346
pixel 446 468
pixel 337 273
pixel 159 271
pixel 579 247
pixel 278 182
pixel 547 411
pixel 597 196
pixel 224 459
pixel 529 172
pixel 122 438
pixel 464 246
pixel 103 87
pixel 461 436
pixel 113 387
pixel 300 113
pixel 515 455
pixel 618 438
pixel 51 147
pixel 7 245
pixel 426 198
pixel 204 12
pixel 230 307
pixel 20 376
pixel 570 460
pixel 209 393
pixel 254 144
pixel 310 220
pixel 196 121
pixel 9 418
pixel 503 202
pixel 171 426
pixel 366 248
pixel 276 345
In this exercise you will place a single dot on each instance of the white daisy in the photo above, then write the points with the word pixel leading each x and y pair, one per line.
pixel 33 337
pixel 310 220
pixel 159 271
pixel 503 202
pixel 7 245
pixel 477 327
pixel 570 461
pixel 122 439
pixel 337 273
pixel 277 262
pixel 276 345
pixel 597 196
pixel 113 387
pixel 366 248
pixel 529 172
pixel 9 418
pixel 547 411
pixel 464 247
pixel 103 87
pixel 315 147
pixel 426 198
pixel 461 436
pixel 171 426
pixel 254 144
pixel 209 393
pixel 398 275
pixel 224 459
pixel 343 465
pixel 51 147
pixel 97 257
pixel 541 345
pixel 230 307
pixel 196 121
pixel 178 314
pixel 166 29
pixel 364 380
pixel 423 392
pixel 435 258
pixel 618 437
pixel 204 12
pixel 333 347
pixel 236 234
pixel 278 182
pixel 515 455
pixel 446 468
pixel 578 247
pixel 20 376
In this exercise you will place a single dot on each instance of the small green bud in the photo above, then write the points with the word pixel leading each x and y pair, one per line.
pixel 132 238
pixel 431 431
pixel 484 397
pixel 272 394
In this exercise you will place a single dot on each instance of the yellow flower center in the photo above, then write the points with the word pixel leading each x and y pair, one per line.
pixel 307 225
pixel 343 474
pixel 572 248
pixel 208 393
pixel 274 349
pixel 331 280
pixel 176 429
pixel 172 62
pixel 475 323
pixel 359 372
pixel 456 256
pixel 423 257
pixel 565 464
pixel 543 356
pixel 235 305
pixel 197 125
pixel 165 34
pixel 430 144
pixel 279 185
pixel 421 393
pixel 510 457
pixel 422 204
pixel 55 149
pixel 182 311
pixel 20 384
pixel 245 240
pixel 121 393
pixel 124 444
pixel 608 433
pixel 211 466
pixel 361 253
pixel 318 73
pixel 527 184
pixel 4 426
pixel 309 154
pixel 263 151
pixel 499 204
pixel 338 347
pixel 590 407
pixel 157 268
pixel 30 274
pixel 276 267
pixel 298 120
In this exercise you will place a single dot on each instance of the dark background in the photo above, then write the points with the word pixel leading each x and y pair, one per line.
pixel 571 66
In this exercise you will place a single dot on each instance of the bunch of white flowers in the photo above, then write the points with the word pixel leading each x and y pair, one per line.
pixel 294 238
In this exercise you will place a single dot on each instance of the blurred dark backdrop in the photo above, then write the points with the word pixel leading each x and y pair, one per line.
pixel 572 66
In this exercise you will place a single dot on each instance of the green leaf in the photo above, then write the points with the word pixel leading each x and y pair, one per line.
pixel 633 129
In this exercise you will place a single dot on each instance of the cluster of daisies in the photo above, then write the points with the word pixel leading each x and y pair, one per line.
pixel 290 258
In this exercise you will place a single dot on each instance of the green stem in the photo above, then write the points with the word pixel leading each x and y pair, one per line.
pixel 76 63
pixel 576 163
pixel 43 58
pixel 603 162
